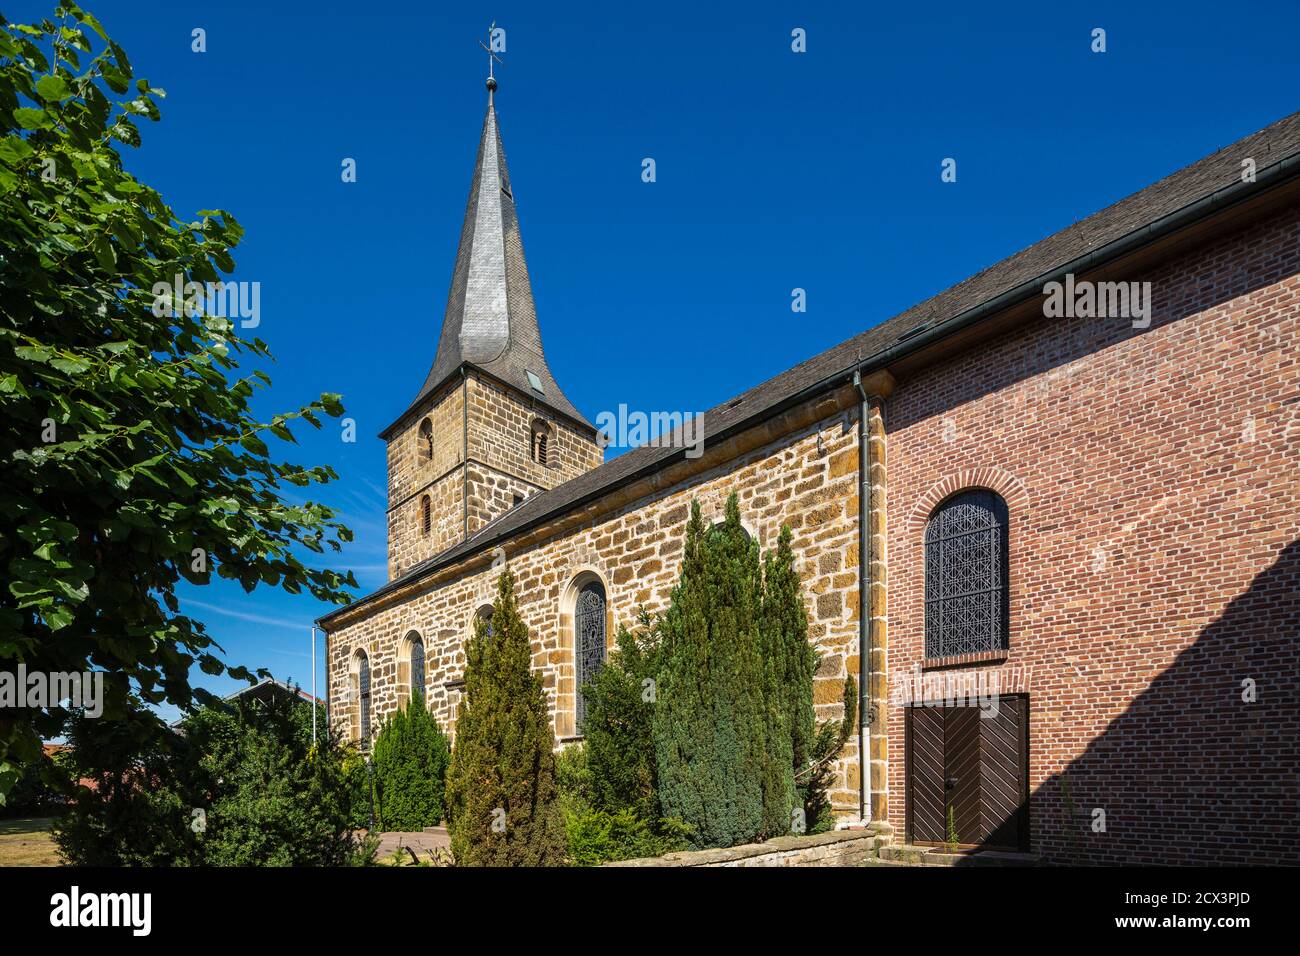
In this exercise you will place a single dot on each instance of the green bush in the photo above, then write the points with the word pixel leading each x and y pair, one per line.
pixel 410 766
pixel 501 789
pixel 573 773
pixel 242 785
pixel 598 836
pixel 619 748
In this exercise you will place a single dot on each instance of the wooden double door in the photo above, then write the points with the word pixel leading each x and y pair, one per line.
pixel 970 771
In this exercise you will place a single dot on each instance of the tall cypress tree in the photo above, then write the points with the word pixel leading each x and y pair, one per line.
pixel 501 789
pixel 620 745
pixel 710 720
pixel 410 764
pixel 793 660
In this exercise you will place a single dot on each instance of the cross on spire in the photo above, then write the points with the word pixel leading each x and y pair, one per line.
pixel 492 57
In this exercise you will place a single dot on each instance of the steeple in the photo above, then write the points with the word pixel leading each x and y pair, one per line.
pixel 491 320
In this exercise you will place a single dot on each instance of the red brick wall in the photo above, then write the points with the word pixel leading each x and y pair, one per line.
pixel 1153 479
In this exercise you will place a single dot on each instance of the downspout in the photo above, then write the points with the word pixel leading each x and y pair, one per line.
pixel 872 592
pixel 864 604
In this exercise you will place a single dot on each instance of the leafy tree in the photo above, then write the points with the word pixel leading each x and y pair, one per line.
pixel 131 457
pixel 501 786
pixel 240 785
pixel 710 721
pixel 410 766
pixel 618 731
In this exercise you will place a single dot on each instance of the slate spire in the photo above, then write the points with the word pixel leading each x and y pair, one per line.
pixel 491 320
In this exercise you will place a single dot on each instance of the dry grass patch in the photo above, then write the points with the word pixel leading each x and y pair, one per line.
pixel 28 843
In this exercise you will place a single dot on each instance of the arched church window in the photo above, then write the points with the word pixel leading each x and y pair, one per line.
pixel 589 638
pixel 426 441
pixel 426 514
pixel 484 614
pixel 417 665
pixel 541 441
pixel 966 575
pixel 361 684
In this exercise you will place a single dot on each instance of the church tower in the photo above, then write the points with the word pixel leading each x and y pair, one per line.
pixel 490 426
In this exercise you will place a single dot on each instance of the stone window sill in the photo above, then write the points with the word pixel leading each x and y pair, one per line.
pixel 961 660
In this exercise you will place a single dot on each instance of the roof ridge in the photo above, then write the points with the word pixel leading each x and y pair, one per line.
pixel 1179 190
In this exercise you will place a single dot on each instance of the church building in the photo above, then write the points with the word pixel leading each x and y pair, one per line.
pixel 1047 519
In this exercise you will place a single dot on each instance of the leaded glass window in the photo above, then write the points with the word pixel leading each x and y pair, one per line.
pixel 417 666
pixel 589 621
pixel 966 605
pixel 363 697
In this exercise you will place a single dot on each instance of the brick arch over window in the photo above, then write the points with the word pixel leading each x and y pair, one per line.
pixel 1011 488
pixel 587 593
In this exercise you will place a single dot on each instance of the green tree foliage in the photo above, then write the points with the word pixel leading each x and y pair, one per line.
pixel 131 457
pixel 814 778
pixel 599 836
pixel 711 720
pixel 410 766
pixel 240 785
pixel 501 787
pixel 618 731
pixel 785 626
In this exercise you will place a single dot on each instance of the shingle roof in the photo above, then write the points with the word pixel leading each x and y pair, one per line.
pixel 1126 220
pixel 491 319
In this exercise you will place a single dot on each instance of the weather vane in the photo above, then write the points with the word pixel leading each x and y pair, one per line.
pixel 492 57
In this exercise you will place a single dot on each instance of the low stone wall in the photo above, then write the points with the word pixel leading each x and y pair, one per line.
pixel 837 848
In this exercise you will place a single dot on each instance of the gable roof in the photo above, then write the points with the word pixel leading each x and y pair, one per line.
pixel 1177 200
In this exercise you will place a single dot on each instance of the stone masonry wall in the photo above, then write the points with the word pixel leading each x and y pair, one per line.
pixel 1153 482
pixel 500 435
pixel 412 474
pixel 636 551
pixel 499 464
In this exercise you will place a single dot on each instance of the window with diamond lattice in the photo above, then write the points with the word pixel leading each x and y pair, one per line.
pixel 966 579
pixel 417 666
pixel 589 633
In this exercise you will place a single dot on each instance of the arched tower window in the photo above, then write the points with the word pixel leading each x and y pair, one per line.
pixel 589 640
pixel 484 614
pixel 426 514
pixel 967 610
pixel 361 686
pixel 426 441
pixel 541 439
pixel 417 665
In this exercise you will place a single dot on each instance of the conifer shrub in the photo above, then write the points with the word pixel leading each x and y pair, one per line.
pixel 619 740
pixel 739 754
pixel 410 760
pixel 713 712
pixel 501 795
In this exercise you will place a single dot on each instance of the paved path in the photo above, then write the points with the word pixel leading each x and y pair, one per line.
pixel 422 843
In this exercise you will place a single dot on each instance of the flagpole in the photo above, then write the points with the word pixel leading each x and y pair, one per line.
pixel 314 697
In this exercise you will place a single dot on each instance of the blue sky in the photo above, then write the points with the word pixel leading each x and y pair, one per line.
pixel 775 170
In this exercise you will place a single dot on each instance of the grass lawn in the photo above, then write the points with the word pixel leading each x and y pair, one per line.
pixel 27 843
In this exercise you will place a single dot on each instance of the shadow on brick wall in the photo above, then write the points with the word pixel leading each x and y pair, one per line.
pixel 1193 772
